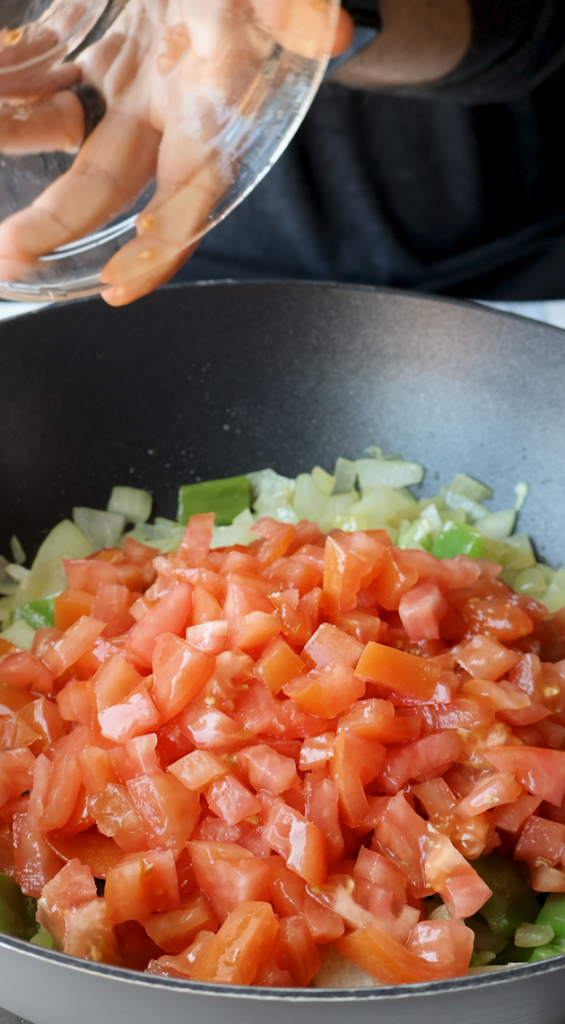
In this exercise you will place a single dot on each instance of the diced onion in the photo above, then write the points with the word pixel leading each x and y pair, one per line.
pixel 531 935
pixel 101 529
pixel 132 503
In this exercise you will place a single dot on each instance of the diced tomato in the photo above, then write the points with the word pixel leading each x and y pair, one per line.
pixel 446 944
pixel 43 717
pixel 296 623
pixel 541 839
pixel 97 851
pixel 175 930
pixel 245 939
pixel 511 817
pixel 322 809
pixel 343 572
pixel 135 715
pixel 316 751
pixel 329 646
pixel 70 605
pixel 397 670
pixel 115 815
pixel 391 963
pixel 78 920
pixel 328 692
pixel 485 658
pixel 209 728
pixel 23 669
pixel 278 665
pixel 180 674
pixel 495 789
pixel 421 610
pixel 300 843
pixel 540 771
pixel 142 884
pixel 112 605
pixel 87 574
pixel 229 875
pixel 170 615
pixel 498 618
pixel 356 761
pixel 276 539
pixel 381 871
pixel 295 950
pixel 211 637
pixel 416 760
pixel 36 862
pixel 231 800
pixel 255 630
pixel 198 769
pixel 168 811
pixel 74 642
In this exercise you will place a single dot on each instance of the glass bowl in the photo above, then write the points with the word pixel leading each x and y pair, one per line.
pixel 201 99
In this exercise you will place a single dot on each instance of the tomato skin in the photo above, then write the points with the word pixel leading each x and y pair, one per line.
pixel 198 769
pixel 541 771
pixel 140 885
pixel 384 958
pixel 276 538
pixel 398 671
pixel 278 665
pixel 243 941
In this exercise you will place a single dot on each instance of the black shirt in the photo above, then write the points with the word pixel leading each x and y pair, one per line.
pixel 457 187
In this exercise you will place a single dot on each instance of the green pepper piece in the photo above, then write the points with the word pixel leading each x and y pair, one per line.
pixel 553 913
pixel 512 901
pixel 227 498
pixel 38 614
pixel 17 912
pixel 457 539
pixel 43 939
pixel 544 953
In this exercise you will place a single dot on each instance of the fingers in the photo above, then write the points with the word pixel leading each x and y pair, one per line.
pixel 55 124
pixel 129 291
pixel 114 165
pixel 306 27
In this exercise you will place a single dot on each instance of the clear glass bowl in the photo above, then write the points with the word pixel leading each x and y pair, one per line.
pixel 202 97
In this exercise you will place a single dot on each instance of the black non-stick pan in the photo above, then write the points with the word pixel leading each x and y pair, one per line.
pixel 211 380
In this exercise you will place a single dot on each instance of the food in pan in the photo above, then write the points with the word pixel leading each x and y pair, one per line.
pixel 316 737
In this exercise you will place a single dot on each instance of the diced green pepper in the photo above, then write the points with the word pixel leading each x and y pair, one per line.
pixel 43 939
pixel 227 498
pixel 38 614
pixel 512 901
pixel 553 913
pixel 457 539
pixel 17 912
pixel 544 953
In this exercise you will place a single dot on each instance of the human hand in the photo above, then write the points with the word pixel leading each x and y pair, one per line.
pixel 171 73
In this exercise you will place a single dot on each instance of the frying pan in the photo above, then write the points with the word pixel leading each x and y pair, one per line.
pixel 218 379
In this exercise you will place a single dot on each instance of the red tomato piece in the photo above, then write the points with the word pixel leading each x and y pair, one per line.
pixel 245 939
pixel 397 919
pixel 391 963
pixel 76 917
pixel 170 615
pixel 205 607
pixel 177 929
pixel 399 671
pixel 195 544
pixel 278 665
pixel 44 719
pixel 364 625
pixel 64 781
pixel 447 944
pixel 299 842
pixel 497 617
pixel 22 669
pixel 418 759
pixel 141 885
pixel 87 574
pixel 16 767
pixel 231 800
pixel 114 681
pixel 297 623
pixel 381 871
pixel 254 631
pixel 396 577
pixel 112 605
pixel 541 771
pixel 485 658
pixel 211 637
pixel 421 610
pixel 96 769
pixel 137 757
pixel 450 874
pixel 75 702
pixel 343 572
pixel 276 539
pixel 115 815
pixel 330 646
pixel 495 789
pixel 511 817
pixel 293 572
pixel 356 761
pixel 541 839
pixel 70 605
pixel 322 809
pixel 209 728
pixel 295 950
pixel 74 642
pixel 316 751
pixel 326 693
pixel 135 715
pixel 229 875
pixel 36 863
pixel 98 852
pixel 198 769
pixel 267 769
pixel 168 810
pixel 180 674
